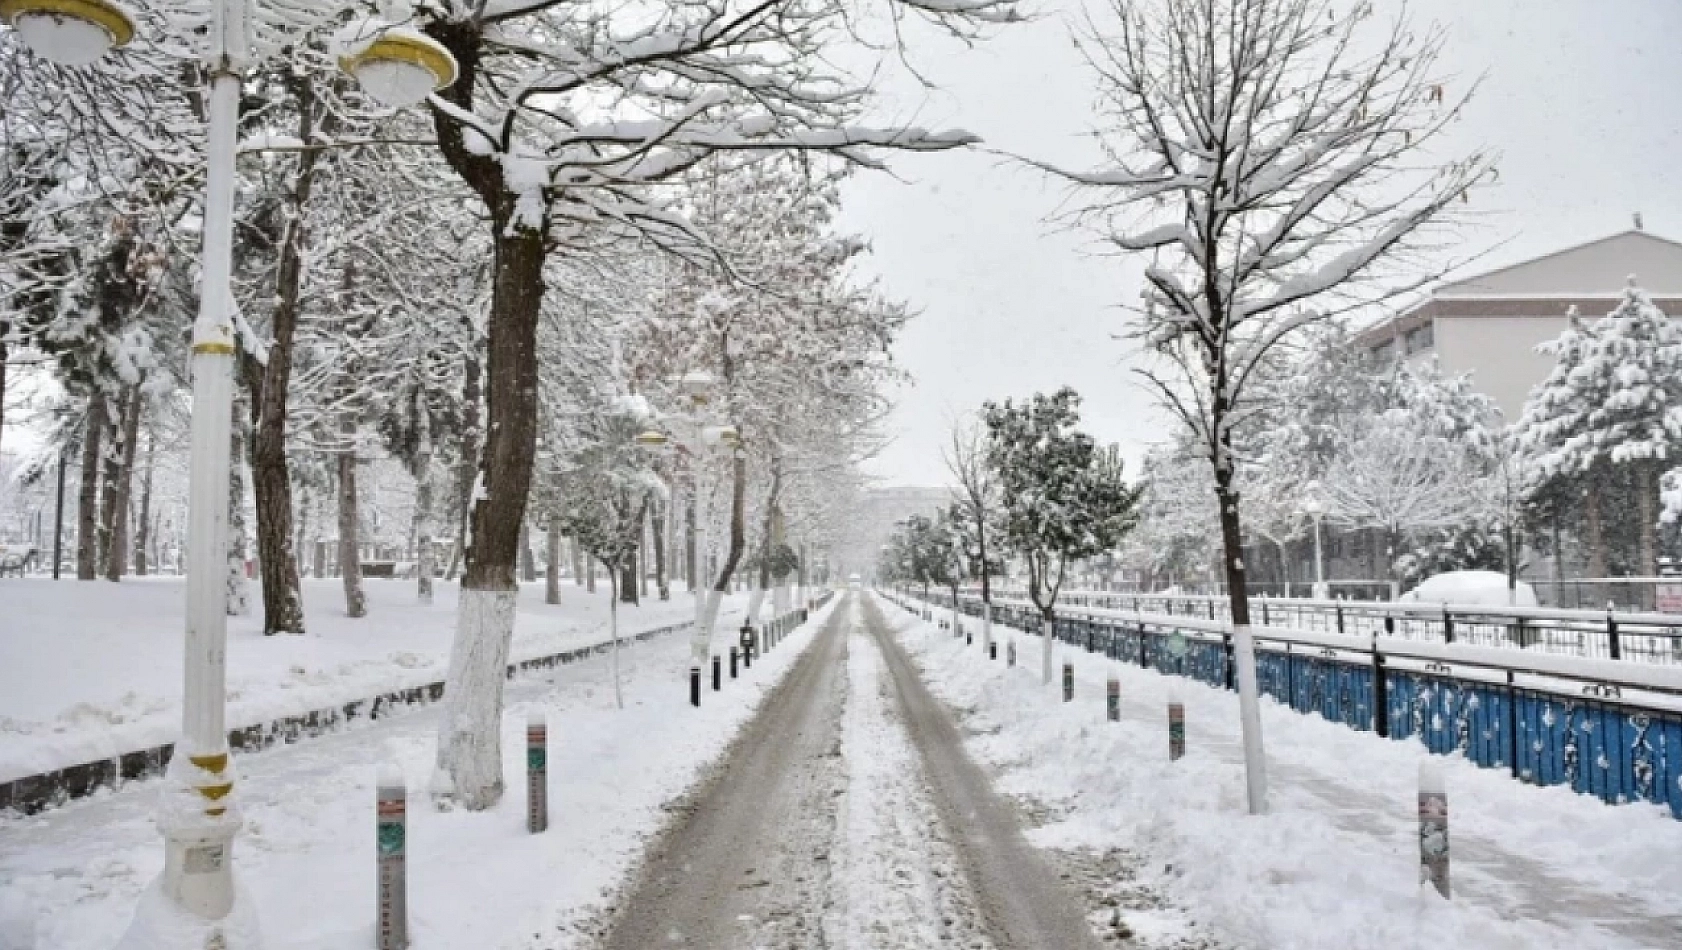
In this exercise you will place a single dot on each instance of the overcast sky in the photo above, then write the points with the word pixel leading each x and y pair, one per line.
pixel 1579 97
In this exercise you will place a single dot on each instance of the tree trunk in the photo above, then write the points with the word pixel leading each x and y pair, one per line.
pixel 578 564
pixel 239 586
pixel 283 605
pixel 424 553
pixel 141 543
pixel 528 563
pixel 469 769
pixel 701 644
pixel 628 579
pixel 552 570
pixel 350 555
pixel 1646 499
pixel 111 471
pixel 87 495
pixel 467 461
pixel 689 552
pixel 661 521
pixel 1596 540
pixel 117 556
pixel 1242 655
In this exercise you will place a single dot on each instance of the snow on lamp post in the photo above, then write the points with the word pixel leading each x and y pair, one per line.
pixel 1314 506
pixel 195 903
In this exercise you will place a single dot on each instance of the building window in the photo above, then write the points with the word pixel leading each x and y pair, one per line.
pixel 1385 350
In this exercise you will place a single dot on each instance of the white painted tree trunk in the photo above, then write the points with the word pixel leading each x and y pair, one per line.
pixel 756 600
pixel 613 631
pixel 469 771
pixel 700 644
pixel 1048 627
pixel 779 600
pixel 1249 714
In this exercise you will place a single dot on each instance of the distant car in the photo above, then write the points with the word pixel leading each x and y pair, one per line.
pixel 854 581
pixel 1471 588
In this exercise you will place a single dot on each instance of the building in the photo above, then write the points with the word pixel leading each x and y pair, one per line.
pixel 879 513
pixel 1489 325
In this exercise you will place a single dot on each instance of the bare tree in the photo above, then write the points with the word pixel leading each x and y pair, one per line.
pixel 976 502
pixel 1270 156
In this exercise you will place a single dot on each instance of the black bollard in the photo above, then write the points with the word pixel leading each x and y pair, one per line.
pixel 718 675
pixel 694 686
pixel 993 650
pixel 732 662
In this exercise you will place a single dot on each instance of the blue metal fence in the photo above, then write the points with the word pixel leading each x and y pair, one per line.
pixel 1598 743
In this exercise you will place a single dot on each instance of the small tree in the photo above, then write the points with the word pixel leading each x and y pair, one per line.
pixel 975 506
pixel 1063 498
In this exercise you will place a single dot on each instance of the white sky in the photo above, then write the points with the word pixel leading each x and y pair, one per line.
pixel 1579 97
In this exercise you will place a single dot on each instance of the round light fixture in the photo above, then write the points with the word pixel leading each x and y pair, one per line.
pixel 69 32
pixel 395 65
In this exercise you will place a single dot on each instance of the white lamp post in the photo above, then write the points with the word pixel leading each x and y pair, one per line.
pixel 1315 508
pixel 194 903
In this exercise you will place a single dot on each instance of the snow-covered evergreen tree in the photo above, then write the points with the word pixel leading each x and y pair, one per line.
pixel 1064 498
pixel 1609 413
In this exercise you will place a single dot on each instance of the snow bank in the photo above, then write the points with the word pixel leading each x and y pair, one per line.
pixel 1474 588
pixel 90 670
pixel 1335 864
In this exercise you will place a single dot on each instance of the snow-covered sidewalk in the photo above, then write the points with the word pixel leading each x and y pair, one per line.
pixel 475 880
pixel 1334 866
pixel 89 670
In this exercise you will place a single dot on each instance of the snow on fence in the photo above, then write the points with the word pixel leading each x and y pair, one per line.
pixel 34 793
pixel 1644 637
pixel 1605 727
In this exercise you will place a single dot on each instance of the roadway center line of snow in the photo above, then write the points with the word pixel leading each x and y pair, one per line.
pixel 895 870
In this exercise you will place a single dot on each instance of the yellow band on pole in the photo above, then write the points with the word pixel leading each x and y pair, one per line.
pixel 210 763
pixel 219 349
pixel 106 16
pixel 215 792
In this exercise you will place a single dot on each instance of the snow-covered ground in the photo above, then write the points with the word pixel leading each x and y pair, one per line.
pixel 1334 866
pixel 91 669
pixel 475 880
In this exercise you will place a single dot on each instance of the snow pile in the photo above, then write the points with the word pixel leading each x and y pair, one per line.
pixel 1473 589
pixel 91 670
pixel 1335 864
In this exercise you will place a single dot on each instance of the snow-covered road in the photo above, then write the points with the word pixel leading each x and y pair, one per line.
pixel 847 816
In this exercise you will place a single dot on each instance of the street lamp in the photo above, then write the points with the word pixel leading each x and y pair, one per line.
pixel 1314 506
pixel 69 32
pixel 193 902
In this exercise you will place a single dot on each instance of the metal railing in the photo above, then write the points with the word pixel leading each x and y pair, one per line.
pixel 1603 726
pixel 1596 634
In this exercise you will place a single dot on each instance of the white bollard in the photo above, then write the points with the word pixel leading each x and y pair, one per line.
pixel 1433 827
pixel 391 806
pixel 537 772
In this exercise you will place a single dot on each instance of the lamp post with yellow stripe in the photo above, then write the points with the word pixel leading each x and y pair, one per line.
pixel 195 904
